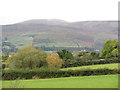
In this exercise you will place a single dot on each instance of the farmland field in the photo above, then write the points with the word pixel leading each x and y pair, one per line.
pixel 25 40
pixel 109 66
pixel 100 81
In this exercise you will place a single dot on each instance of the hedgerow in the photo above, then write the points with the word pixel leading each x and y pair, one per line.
pixel 91 62
pixel 30 74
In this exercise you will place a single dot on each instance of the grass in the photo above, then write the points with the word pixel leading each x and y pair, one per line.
pixel 100 81
pixel 109 66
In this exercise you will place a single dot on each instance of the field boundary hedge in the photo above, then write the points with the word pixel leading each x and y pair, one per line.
pixel 36 74
pixel 94 62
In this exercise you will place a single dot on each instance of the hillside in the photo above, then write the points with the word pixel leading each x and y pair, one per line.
pixel 59 33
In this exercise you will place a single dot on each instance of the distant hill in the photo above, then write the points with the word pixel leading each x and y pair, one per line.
pixel 59 33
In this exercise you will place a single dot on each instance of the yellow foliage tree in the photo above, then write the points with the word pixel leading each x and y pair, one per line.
pixel 54 61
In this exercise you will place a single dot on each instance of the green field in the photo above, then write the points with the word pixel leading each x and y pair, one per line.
pixel 26 40
pixel 101 81
pixel 109 66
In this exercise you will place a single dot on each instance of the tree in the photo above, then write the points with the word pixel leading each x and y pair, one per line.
pixel 66 56
pixel 110 49
pixel 54 61
pixel 28 57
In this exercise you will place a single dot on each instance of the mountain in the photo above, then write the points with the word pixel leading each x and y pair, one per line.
pixel 60 33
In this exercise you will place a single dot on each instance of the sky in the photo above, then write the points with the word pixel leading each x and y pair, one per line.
pixel 14 11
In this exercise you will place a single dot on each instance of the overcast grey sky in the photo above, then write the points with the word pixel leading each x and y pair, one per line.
pixel 13 11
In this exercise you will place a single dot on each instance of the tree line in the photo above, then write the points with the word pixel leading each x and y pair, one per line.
pixel 31 57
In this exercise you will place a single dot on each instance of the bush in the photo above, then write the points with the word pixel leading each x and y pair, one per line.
pixel 28 57
pixel 52 73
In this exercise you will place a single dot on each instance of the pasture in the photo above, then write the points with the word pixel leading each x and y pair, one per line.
pixel 100 81
pixel 100 66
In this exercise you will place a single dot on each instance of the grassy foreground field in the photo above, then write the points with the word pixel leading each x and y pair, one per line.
pixel 101 81
pixel 109 66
